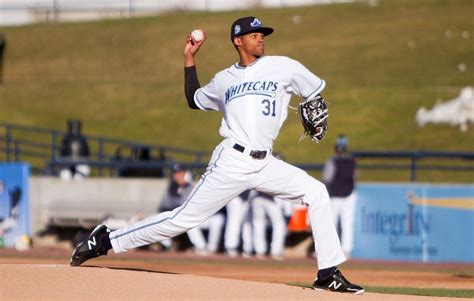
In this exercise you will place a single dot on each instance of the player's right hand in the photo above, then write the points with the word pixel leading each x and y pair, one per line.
pixel 192 47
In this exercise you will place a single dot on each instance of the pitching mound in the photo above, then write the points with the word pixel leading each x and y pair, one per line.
pixel 62 282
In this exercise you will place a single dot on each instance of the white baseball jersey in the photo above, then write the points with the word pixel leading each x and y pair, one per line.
pixel 254 99
pixel 254 103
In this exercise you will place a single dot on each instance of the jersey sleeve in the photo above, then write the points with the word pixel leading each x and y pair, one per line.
pixel 329 171
pixel 305 83
pixel 206 98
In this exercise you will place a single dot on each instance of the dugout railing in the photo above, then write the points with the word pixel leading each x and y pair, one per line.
pixel 116 157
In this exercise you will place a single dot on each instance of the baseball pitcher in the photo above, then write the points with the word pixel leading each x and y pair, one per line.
pixel 253 96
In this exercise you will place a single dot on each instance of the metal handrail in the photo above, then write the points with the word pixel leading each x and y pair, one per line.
pixel 16 147
pixel 414 154
pixel 108 151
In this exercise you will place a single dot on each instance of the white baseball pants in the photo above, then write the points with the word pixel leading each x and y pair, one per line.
pixel 343 209
pixel 237 225
pixel 261 208
pixel 229 173
pixel 215 225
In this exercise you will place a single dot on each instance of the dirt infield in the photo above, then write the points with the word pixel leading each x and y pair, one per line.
pixel 45 274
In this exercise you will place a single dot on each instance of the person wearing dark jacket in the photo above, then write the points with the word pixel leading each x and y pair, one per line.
pixel 179 188
pixel 75 151
pixel 339 175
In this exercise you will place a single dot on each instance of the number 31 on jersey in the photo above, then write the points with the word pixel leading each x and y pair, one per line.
pixel 268 107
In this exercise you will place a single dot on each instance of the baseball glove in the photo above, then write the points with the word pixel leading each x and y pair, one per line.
pixel 314 114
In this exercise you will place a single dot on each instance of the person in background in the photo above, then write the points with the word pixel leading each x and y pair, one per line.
pixel 238 225
pixel 180 186
pixel 264 206
pixel 339 175
pixel 75 151
pixel 214 225
pixel 142 154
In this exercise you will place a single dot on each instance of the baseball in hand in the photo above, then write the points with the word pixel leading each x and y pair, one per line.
pixel 197 35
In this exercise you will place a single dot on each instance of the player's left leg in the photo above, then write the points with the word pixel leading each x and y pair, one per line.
pixel 288 182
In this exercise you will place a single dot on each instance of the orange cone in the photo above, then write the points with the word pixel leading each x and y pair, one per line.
pixel 299 219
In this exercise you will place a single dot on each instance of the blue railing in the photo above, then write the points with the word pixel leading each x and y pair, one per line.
pixel 108 157
pixel 117 157
pixel 414 157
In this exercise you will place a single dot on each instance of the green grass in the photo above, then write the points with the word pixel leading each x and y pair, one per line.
pixel 124 78
pixel 432 292
pixel 455 271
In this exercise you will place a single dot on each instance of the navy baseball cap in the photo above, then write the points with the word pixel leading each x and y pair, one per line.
pixel 341 142
pixel 177 167
pixel 247 25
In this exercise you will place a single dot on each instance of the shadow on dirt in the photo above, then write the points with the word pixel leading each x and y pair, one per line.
pixel 130 269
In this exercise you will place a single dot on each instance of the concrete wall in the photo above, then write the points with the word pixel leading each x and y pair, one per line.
pixel 86 202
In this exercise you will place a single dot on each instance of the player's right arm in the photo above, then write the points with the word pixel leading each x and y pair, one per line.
pixel 191 82
pixel 203 98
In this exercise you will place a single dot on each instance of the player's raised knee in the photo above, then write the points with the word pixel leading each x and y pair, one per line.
pixel 316 191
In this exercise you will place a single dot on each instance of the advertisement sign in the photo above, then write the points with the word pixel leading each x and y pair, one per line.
pixel 14 208
pixel 418 222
